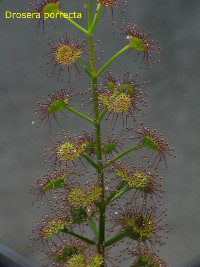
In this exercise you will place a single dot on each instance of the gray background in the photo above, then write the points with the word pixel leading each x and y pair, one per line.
pixel 173 109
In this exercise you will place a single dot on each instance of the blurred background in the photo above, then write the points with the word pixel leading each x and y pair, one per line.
pixel 173 109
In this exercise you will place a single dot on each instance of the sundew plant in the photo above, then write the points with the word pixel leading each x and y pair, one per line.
pixel 115 216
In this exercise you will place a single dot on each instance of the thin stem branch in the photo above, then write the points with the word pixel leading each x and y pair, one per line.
pixel 96 17
pixel 76 25
pixel 112 195
pixel 89 14
pixel 115 239
pixel 81 115
pixel 93 226
pixel 90 161
pixel 112 59
pixel 120 193
pixel 67 231
pixel 84 68
pixel 120 155
pixel 102 115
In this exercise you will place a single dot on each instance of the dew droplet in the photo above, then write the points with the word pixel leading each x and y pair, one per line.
pixel 32 122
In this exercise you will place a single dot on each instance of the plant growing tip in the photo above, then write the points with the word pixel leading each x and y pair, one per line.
pixel 122 97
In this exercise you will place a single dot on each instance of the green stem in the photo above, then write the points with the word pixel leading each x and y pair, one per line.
pixel 101 238
pixel 112 195
pixel 90 161
pixel 93 226
pixel 84 68
pixel 96 17
pixel 80 28
pixel 102 115
pixel 92 64
pixel 115 239
pixel 100 172
pixel 89 14
pixel 120 155
pixel 81 115
pixel 112 59
pixel 120 193
pixel 67 231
